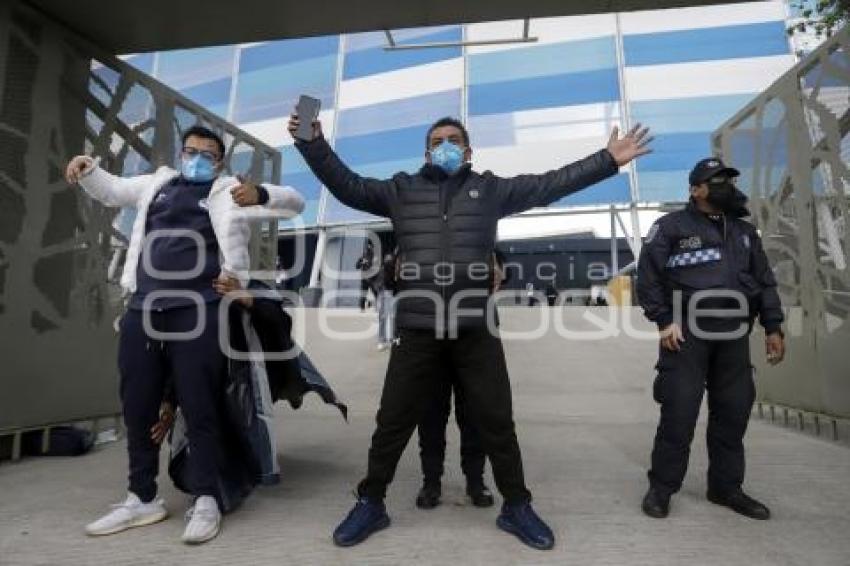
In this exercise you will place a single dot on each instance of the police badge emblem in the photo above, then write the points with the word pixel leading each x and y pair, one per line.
pixel 691 243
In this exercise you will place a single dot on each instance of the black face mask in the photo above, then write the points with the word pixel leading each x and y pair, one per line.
pixel 722 195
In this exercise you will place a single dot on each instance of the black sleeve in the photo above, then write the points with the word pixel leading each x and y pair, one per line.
pixel 262 195
pixel 770 307
pixel 651 289
pixel 374 196
pixel 528 191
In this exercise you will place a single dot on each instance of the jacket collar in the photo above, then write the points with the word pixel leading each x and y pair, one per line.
pixel 221 182
pixel 437 175
pixel 740 209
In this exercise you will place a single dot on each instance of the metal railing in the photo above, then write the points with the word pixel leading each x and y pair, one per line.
pixel 60 96
pixel 792 146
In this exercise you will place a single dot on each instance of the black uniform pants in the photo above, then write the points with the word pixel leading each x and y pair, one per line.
pixel 432 434
pixel 479 363
pixel 197 367
pixel 722 367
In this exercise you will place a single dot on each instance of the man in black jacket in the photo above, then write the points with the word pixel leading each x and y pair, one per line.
pixel 703 277
pixel 445 219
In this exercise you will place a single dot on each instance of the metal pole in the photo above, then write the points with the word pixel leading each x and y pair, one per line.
pixel 464 90
pixel 321 243
pixel 629 238
pixel 614 259
pixel 324 194
pixel 625 112
pixel 637 242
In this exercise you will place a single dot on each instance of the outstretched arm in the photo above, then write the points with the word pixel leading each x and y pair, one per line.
pixel 103 186
pixel 374 196
pixel 528 191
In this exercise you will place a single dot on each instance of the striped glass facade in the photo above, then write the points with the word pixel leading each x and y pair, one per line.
pixel 529 107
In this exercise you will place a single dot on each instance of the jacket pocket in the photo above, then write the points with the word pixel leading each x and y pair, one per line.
pixel 749 285
pixel 661 369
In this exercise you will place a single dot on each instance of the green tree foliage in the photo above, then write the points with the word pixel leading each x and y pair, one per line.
pixel 821 17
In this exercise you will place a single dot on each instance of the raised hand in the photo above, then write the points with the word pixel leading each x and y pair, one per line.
pixel 632 145
pixel 245 193
pixel 294 122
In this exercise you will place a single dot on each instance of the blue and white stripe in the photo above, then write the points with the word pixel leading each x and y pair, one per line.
pixel 695 257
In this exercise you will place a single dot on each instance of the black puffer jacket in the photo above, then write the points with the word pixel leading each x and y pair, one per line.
pixel 688 252
pixel 446 226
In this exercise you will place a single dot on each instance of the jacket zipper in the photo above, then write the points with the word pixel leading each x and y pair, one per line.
pixel 730 257
pixel 444 210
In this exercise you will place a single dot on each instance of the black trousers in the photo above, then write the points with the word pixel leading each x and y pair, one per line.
pixel 197 368
pixel 479 362
pixel 432 434
pixel 722 367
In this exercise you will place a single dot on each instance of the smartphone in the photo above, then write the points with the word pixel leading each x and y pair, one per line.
pixel 307 110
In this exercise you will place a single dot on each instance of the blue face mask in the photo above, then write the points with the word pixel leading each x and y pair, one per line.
pixel 447 156
pixel 198 169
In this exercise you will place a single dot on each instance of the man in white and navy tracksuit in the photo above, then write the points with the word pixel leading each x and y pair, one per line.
pixel 189 238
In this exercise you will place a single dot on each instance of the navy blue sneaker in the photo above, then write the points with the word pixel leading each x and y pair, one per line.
pixel 522 521
pixel 367 517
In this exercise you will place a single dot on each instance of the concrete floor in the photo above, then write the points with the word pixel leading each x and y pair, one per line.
pixel 585 419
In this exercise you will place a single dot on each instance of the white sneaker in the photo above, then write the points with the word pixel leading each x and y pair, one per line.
pixel 204 521
pixel 131 513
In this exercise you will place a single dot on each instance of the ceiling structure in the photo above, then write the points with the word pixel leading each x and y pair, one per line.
pixel 155 25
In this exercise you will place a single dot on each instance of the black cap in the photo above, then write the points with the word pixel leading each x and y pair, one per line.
pixel 708 168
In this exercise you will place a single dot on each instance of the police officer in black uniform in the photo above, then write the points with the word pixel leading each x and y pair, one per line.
pixel 703 278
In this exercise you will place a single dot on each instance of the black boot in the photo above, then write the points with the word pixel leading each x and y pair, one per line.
pixel 740 502
pixel 656 504
pixel 480 495
pixel 429 496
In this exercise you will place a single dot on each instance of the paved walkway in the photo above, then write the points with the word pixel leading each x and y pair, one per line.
pixel 585 419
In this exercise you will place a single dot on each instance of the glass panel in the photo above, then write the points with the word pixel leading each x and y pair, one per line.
pixel 138 107
pixel 773 148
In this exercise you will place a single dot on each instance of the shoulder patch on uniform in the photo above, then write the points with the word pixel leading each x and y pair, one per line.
pixel 653 230
pixel 473 193
pixel 745 238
